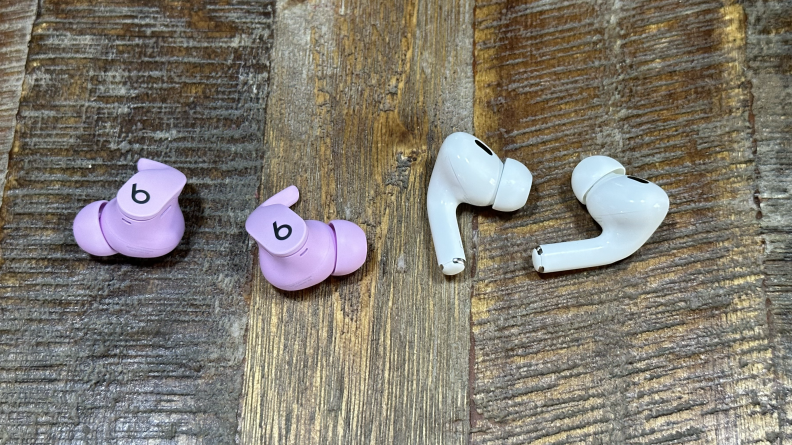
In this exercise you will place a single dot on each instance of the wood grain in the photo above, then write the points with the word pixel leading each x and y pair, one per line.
pixel 687 341
pixel 16 21
pixel 120 350
pixel 672 344
pixel 769 59
pixel 362 96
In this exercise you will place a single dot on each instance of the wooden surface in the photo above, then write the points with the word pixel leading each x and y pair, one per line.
pixel 359 104
pixel 672 344
pixel 16 19
pixel 687 341
pixel 122 350
pixel 769 59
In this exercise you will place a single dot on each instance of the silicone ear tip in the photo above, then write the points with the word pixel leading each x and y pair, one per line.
pixel 514 187
pixel 88 231
pixel 351 246
pixel 591 170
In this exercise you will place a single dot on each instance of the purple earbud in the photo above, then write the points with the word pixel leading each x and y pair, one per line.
pixel 295 254
pixel 144 220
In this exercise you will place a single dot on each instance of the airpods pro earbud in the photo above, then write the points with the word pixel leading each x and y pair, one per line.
pixel 144 220
pixel 295 254
pixel 628 209
pixel 467 171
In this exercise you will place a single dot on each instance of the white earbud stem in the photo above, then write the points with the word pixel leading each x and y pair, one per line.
pixel 628 209
pixel 468 171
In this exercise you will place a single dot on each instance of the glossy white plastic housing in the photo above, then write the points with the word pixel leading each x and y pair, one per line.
pixel 468 171
pixel 628 209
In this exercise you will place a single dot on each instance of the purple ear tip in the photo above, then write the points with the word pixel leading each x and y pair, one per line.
pixel 88 232
pixel 351 246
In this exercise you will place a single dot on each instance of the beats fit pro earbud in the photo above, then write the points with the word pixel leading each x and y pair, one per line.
pixel 628 209
pixel 295 254
pixel 467 171
pixel 144 220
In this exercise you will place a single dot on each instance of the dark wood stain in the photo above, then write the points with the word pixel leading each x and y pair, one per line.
pixel 672 343
pixel 769 62
pixel 687 341
pixel 121 350
pixel 17 20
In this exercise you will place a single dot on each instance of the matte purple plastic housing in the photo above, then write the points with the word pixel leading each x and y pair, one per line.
pixel 311 265
pixel 143 239
pixel 295 254
pixel 144 219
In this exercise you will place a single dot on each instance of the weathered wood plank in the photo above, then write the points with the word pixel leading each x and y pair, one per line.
pixel 769 59
pixel 121 350
pixel 363 93
pixel 16 21
pixel 670 345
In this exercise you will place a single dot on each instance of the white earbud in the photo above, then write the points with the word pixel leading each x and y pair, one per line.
pixel 467 171
pixel 628 209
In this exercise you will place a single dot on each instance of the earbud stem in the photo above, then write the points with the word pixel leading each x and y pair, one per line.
pixel 445 230
pixel 575 254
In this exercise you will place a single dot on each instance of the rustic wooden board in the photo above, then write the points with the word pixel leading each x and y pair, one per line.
pixel 690 340
pixel 119 350
pixel 363 93
pixel 16 21
pixel 769 59
pixel 671 345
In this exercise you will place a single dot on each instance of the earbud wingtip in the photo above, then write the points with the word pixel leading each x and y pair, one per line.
pixel 88 231
pixel 351 246
pixel 287 197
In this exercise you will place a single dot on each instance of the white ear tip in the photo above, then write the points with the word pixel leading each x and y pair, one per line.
pixel 591 170
pixel 514 187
